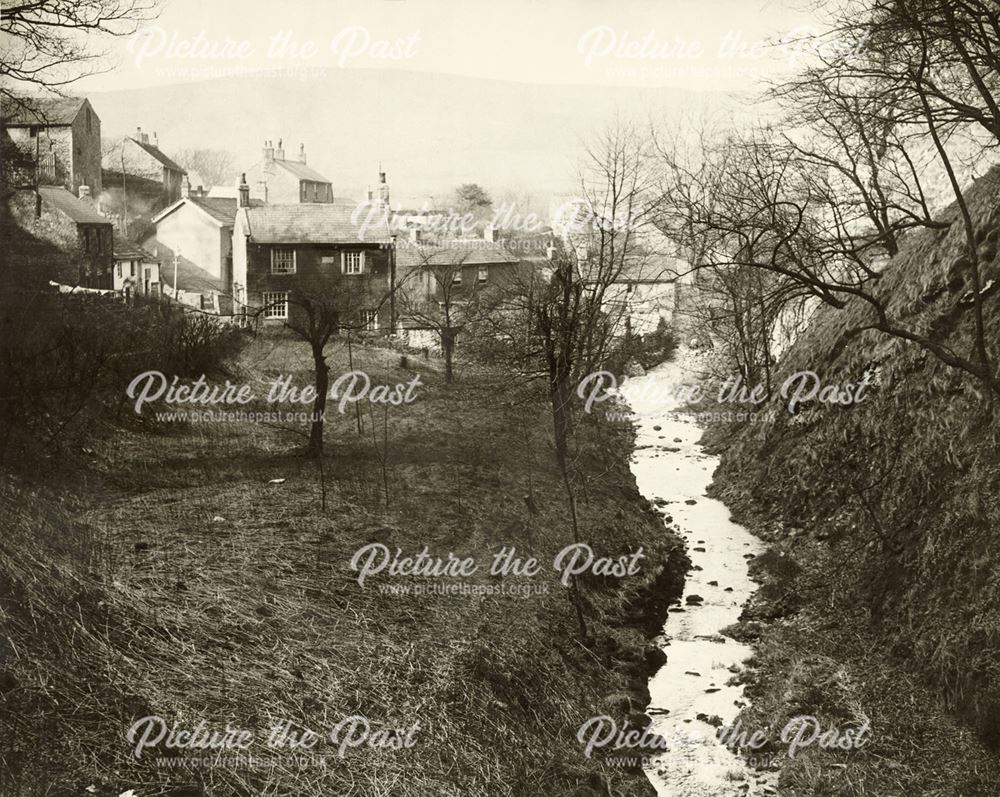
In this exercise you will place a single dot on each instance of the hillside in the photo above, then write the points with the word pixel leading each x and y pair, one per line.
pixel 882 589
pixel 430 132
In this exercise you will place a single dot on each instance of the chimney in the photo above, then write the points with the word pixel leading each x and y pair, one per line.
pixel 489 234
pixel 414 235
pixel 302 153
pixel 84 193
pixel 244 192
pixel 138 134
pixel 268 152
pixel 280 153
pixel 156 141
pixel 383 189
pixel 371 194
pixel 186 188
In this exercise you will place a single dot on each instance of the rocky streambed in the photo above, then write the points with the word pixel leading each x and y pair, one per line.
pixel 694 694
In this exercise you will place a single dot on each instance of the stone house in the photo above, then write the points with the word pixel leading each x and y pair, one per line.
pixel 197 232
pixel 280 181
pixel 136 272
pixel 470 264
pixel 284 254
pixel 140 158
pixel 60 137
pixel 452 271
pixel 49 234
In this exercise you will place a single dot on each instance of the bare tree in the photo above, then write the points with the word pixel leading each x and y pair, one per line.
pixel 558 330
pixel 825 206
pixel 50 44
pixel 216 166
pixel 438 295
pixel 318 318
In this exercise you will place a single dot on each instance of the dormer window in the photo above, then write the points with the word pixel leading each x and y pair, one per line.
pixel 483 273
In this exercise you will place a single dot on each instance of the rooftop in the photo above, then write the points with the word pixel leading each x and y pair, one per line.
pixel 451 252
pixel 29 111
pixel 302 171
pixel 221 209
pixel 312 224
pixel 124 249
pixel 155 151
pixel 78 210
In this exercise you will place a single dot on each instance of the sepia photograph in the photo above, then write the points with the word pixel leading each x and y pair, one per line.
pixel 547 398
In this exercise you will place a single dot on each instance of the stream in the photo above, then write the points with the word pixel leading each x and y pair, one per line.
pixel 673 472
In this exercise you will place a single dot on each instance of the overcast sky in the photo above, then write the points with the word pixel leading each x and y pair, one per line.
pixel 700 44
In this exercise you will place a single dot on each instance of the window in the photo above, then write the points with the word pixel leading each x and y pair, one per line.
pixel 457 276
pixel 119 269
pixel 483 273
pixel 354 262
pixel 370 319
pixel 282 261
pixel 33 131
pixel 275 305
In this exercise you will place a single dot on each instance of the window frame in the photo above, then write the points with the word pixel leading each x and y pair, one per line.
pixel 370 320
pixel 269 303
pixel 294 268
pixel 482 274
pixel 345 263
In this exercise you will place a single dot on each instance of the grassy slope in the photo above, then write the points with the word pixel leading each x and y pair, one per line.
pixel 161 573
pixel 883 584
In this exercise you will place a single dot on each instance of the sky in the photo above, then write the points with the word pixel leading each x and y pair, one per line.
pixel 709 45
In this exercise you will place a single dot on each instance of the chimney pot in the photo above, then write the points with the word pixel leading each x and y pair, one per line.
pixel 138 134
pixel 302 153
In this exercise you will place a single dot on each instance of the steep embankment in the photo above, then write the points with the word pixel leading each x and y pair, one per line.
pixel 882 590
pixel 200 572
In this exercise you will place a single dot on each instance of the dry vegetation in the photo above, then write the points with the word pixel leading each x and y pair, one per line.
pixel 155 570
pixel 881 597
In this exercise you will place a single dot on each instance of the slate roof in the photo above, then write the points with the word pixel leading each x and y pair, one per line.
pixel 158 154
pixel 467 252
pixel 653 258
pixel 28 111
pixel 221 209
pixel 124 249
pixel 78 210
pixel 312 224
pixel 302 171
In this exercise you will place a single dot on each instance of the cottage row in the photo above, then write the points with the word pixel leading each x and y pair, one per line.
pixel 127 218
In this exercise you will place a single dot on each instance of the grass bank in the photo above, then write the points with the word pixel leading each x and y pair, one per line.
pixel 200 571
pixel 881 593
